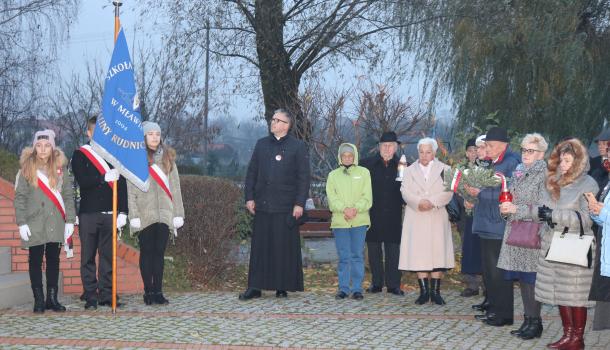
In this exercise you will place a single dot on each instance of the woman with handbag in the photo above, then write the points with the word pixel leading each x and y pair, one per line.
pixel 564 209
pixel 521 243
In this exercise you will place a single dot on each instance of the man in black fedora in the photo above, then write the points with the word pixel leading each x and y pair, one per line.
pixel 383 237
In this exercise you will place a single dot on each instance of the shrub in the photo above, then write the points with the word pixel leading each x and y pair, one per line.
pixel 9 165
pixel 210 230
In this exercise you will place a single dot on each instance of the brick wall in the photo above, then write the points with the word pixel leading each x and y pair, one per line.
pixel 128 273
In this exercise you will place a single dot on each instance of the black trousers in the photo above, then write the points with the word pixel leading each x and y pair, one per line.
pixel 95 231
pixel 51 253
pixel 390 276
pixel 153 241
pixel 499 291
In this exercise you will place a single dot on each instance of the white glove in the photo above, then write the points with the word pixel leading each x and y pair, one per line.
pixel 178 222
pixel 24 232
pixel 111 175
pixel 121 220
pixel 68 231
pixel 135 223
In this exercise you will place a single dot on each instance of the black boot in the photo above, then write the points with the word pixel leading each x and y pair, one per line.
pixel 250 293
pixel 484 306
pixel 533 329
pixel 52 303
pixel 148 298
pixel 158 298
pixel 435 292
pixel 524 325
pixel 38 300
pixel 424 291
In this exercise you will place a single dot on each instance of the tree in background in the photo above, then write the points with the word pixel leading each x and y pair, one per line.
pixel 29 33
pixel 538 65
pixel 280 41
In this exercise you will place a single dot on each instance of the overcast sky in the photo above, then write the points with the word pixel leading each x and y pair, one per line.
pixel 92 38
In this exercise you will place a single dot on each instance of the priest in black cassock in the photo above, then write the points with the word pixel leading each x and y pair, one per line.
pixel 276 188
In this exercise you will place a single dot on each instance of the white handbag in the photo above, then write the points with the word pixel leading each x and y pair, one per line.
pixel 571 248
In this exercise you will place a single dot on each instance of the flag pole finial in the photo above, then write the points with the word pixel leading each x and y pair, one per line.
pixel 117 22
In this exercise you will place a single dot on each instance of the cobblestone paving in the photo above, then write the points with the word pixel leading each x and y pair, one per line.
pixel 304 320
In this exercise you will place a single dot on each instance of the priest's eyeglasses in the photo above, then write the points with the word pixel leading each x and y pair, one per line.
pixel 277 120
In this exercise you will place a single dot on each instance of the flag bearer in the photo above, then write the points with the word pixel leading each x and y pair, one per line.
pixel 157 212
pixel 94 177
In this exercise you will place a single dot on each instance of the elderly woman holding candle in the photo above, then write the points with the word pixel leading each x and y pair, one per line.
pixel 520 258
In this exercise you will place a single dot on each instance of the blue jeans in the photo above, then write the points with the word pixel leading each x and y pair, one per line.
pixel 350 248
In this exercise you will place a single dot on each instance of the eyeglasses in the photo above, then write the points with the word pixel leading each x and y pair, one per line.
pixel 276 120
pixel 529 151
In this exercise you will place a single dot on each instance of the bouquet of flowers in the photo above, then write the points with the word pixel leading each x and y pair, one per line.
pixel 473 176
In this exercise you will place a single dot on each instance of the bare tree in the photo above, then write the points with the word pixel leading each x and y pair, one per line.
pixel 280 41
pixel 73 102
pixel 170 85
pixel 29 34
pixel 334 122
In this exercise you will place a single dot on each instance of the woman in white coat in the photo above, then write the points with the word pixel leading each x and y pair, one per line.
pixel 426 246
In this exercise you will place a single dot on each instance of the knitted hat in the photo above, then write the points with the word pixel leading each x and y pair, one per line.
pixel 150 126
pixel 47 134
pixel 480 140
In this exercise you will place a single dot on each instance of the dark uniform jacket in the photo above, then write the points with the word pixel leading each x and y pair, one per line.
pixel 487 221
pixel 386 213
pixel 278 174
pixel 95 194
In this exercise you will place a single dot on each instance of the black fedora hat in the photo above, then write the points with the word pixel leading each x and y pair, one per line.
pixel 604 136
pixel 497 134
pixel 389 136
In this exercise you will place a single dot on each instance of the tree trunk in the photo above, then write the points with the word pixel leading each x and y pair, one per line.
pixel 279 82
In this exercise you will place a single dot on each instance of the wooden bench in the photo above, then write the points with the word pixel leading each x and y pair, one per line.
pixel 317 224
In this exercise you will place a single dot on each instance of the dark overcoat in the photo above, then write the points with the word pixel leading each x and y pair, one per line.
pixel 386 212
pixel 278 174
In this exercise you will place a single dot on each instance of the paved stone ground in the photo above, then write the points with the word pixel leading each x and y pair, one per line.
pixel 303 320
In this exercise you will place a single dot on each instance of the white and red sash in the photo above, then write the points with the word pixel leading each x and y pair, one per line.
pixel 52 194
pixel 98 162
pixel 161 179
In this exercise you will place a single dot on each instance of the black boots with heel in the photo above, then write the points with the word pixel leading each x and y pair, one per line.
pixel 424 291
pixel 435 292
pixel 39 305
pixel 52 302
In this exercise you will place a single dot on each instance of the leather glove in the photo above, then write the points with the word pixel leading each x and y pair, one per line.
pixel 135 223
pixel 111 175
pixel 68 231
pixel 178 222
pixel 545 214
pixel 121 220
pixel 24 232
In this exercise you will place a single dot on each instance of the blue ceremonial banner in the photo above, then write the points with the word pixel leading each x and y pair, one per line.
pixel 118 135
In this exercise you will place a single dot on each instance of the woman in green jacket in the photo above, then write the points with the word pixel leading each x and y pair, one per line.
pixel 348 189
pixel 155 212
pixel 44 211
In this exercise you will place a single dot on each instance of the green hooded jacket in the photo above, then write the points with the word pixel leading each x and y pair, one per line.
pixel 349 188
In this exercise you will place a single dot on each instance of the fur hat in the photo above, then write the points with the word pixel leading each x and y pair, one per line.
pixel 47 134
